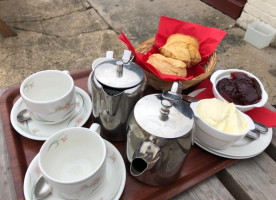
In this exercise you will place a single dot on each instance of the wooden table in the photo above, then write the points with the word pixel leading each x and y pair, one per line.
pixel 253 178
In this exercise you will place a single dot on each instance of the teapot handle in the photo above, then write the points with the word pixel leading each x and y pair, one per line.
pixel 109 54
pixel 177 87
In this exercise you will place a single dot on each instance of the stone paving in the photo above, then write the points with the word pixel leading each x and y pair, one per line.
pixel 70 34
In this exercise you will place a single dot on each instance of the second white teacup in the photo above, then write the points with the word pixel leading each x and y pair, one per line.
pixel 73 162
pixel 49 96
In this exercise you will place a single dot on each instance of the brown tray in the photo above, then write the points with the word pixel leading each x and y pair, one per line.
pixel 198 164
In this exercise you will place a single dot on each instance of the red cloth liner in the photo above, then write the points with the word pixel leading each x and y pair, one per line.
pixel 208 38
pixel 261 114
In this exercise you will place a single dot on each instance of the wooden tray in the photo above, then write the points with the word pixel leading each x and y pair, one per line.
pixel 198 164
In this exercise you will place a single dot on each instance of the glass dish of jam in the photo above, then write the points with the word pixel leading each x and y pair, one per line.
pixel 240 89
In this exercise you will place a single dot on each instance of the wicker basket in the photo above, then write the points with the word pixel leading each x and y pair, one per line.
pixel 160 84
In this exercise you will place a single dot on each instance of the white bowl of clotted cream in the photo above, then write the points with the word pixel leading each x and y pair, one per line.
pixel 219 124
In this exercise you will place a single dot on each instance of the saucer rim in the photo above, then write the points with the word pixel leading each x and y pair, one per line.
pixel 89 84
pixel 264 139
pixel 13 114
pixel 120 160
pixel 123 168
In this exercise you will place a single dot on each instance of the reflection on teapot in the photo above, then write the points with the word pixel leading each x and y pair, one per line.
pixel 160 134
pixel 116 87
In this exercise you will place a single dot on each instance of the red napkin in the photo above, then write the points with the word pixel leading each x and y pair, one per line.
pixel 261 114
pixel 208 38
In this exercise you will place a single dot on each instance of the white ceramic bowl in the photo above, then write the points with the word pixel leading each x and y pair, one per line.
pixel 220 74
pixel 215 138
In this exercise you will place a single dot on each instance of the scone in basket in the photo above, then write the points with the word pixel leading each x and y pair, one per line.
pixel 160 84
pixel 207 39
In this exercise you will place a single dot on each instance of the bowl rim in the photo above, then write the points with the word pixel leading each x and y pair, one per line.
pixel 214 79
pixel 250 122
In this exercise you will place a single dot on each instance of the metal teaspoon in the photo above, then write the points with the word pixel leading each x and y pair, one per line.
pixel 23 115
pixel 42 189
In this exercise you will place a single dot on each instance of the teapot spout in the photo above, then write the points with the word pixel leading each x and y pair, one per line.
pixel 138 166
pixel 144 158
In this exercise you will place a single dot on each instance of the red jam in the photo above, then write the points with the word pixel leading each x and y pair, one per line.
pixel 240 89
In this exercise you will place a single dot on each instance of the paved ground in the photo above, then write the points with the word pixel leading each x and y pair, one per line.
pixel 63 34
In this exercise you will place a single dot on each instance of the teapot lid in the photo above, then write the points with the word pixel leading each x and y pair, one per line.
pixel 164 117
pixel 120 75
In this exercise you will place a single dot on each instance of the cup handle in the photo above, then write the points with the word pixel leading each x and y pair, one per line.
pixel 66 72
pixel 96 128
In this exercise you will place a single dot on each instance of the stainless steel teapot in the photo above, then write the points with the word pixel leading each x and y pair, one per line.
pixel 116 87
pixel 160 134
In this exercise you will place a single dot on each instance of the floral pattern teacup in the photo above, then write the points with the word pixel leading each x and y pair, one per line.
pixel 73 162
pixel 49 96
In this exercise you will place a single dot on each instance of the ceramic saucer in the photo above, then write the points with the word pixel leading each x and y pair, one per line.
pixel 89 84
pixel 37 131
pixel 111 188
pixel 242 149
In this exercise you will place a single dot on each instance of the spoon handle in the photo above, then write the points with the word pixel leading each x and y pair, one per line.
pixel 260 127
pixel 253 134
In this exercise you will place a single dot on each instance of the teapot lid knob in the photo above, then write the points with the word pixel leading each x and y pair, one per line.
pixel 165 109
pixel 167 101
pixel 120 68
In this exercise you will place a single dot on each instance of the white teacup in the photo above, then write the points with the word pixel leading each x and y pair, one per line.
pixel 49 96
pixel 73 162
